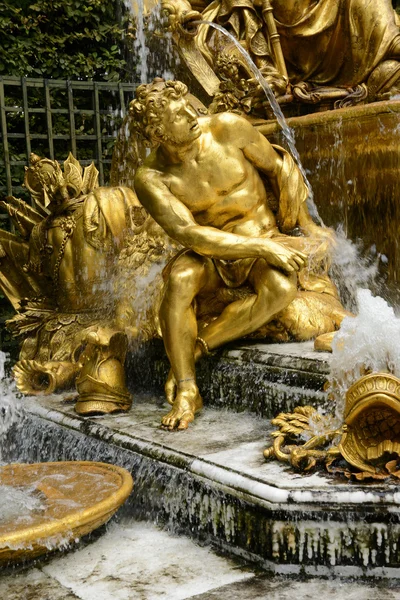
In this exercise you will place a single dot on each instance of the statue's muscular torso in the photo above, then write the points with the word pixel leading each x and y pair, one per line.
pixel 218 184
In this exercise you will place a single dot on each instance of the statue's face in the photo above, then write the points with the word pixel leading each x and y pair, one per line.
pixel 180 123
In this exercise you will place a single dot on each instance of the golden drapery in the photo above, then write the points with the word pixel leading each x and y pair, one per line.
pixel 338 42
pixel 335 42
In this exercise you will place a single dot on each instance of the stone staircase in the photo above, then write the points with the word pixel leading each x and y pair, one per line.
pixel 212 483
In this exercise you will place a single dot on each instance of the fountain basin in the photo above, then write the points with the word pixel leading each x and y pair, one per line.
pixel 74 499
pixel 211 482
pixel 352 159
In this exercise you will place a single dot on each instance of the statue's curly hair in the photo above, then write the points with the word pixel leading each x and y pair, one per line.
pixel 147 107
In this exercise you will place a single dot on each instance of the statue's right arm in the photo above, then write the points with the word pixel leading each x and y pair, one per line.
pixel 178 222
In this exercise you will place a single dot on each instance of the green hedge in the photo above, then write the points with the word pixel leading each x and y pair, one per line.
pixel 67 39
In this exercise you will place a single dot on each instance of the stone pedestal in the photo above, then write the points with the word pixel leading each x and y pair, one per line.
pixel 212 482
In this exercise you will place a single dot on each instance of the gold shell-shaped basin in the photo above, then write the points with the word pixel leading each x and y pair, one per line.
pixel 46 506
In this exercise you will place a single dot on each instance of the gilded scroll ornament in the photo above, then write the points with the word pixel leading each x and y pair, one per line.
pixel 368 439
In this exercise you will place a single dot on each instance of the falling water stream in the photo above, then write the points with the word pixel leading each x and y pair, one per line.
pixel 14 502
pixel 286 130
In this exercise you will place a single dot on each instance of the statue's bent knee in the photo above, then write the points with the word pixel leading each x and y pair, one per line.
pixel 183 279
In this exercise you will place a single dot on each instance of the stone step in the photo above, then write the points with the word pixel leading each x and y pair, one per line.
pixel 211 482
pixel 264 379
pixel 152 564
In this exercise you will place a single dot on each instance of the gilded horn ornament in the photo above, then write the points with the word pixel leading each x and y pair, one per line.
pixel 372 416
pixel 369 436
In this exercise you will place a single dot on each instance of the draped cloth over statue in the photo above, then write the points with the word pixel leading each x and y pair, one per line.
pixel 338 42
pixel 333 42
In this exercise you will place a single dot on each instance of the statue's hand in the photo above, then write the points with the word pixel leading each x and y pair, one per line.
pixel 284 258
pixel 324 240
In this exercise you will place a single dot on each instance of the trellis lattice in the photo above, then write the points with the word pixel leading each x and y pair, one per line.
pixel 53 117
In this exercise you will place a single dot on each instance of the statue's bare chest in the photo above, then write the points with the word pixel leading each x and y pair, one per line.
pixel 209 178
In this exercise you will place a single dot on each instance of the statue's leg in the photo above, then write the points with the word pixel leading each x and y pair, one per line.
pixel 273 291
pixel 190 275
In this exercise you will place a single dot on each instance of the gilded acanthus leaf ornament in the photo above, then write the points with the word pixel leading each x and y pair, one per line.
pixel 367 443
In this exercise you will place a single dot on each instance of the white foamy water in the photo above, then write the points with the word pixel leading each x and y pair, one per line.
pixel 10 407
pixel 15 503
pixel 350 270
pixel 369 341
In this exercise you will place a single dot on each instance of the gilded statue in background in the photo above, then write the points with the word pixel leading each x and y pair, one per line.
pixel 333 49
pixel 253 261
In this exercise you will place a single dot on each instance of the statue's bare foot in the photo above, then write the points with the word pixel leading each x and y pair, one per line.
pixel 187 402
pixel 170 387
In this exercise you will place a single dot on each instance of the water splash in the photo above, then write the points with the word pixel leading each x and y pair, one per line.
pixel 140 45
pixel 351 270
pixel 369 341
pixel 17 503
pixel 155 51
pixel 10 407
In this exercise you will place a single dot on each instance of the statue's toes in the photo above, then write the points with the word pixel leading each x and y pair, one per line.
pixel 170 420
pixel 186 418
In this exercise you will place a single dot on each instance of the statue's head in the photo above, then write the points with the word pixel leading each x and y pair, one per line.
pixel 45 180
pixel 51 186
pixel 163 114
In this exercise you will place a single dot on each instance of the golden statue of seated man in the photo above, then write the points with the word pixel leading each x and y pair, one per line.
pixel 203 185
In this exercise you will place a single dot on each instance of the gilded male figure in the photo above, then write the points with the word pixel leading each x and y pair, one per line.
pixel 203 185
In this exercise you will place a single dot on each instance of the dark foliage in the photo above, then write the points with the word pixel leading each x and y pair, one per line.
pixel 66 39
